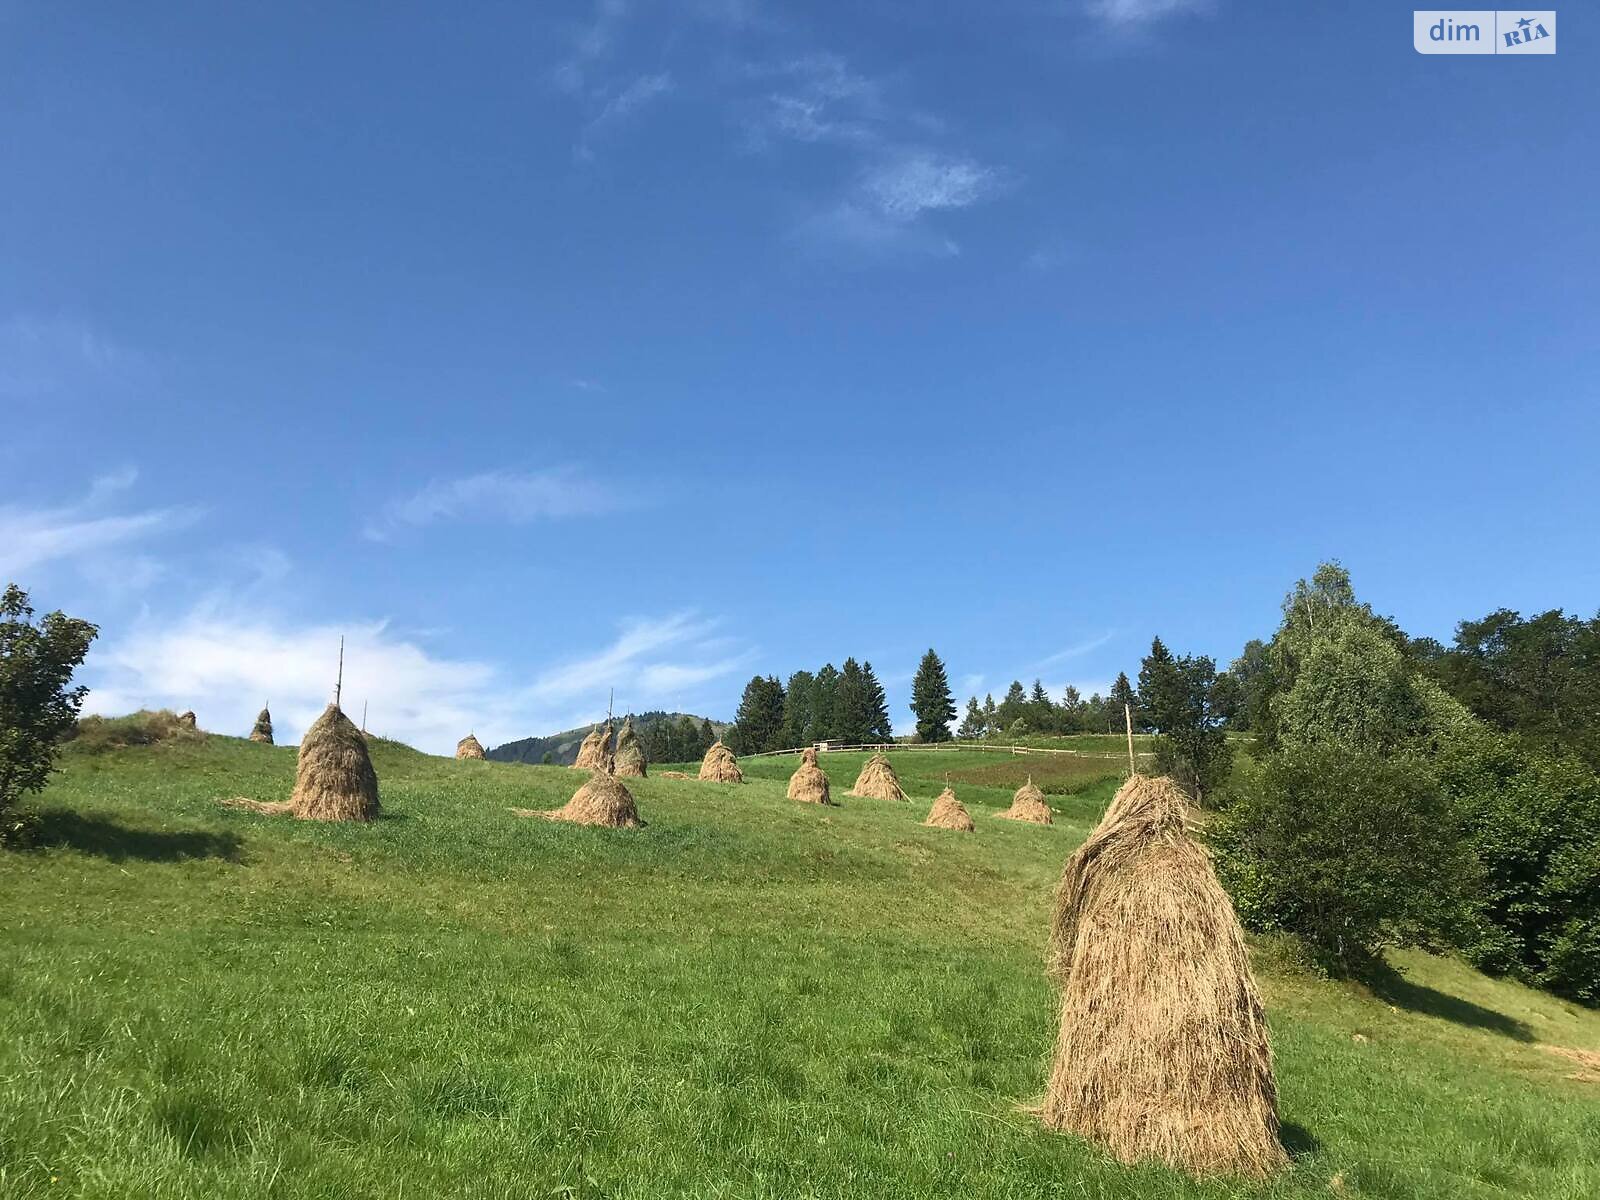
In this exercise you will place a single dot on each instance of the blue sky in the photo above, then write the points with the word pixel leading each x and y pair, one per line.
pixel 647 346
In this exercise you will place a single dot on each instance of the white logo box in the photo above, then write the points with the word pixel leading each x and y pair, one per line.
pixel 1484 31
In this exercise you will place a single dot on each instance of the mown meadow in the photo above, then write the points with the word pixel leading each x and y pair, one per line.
pixel 747 998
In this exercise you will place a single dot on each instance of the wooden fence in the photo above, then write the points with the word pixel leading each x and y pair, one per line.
pixel 987 749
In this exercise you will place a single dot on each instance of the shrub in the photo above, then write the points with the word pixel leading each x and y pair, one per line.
pixel 1347 850
pixel 37 705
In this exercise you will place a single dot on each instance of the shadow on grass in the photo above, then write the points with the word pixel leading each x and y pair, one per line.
pixel 1394 988
pixel 61 828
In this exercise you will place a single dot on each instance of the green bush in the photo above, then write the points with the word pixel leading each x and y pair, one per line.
pixel 1349 851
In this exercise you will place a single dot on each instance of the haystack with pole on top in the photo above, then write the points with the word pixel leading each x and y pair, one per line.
pixel 261 731
pixel 469 747
pixel 595 752
pixel 630 760
pixel 720 765
pixel 809 783
pixel 1028 804
pixel 1162 1052
pixel 878 781
pixel 949 813
pixel 334 779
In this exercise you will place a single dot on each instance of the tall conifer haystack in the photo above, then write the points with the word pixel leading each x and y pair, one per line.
pixel 595 753
pixel 334 779
pixel 809 784
pixel 469 747
pixel 630 760
pixel 1028 804
pixel 1162 1052
pixel 261 731
pixel 720 765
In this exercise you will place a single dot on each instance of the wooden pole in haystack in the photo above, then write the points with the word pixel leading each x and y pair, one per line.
pixel 1127 716
pixel 338 687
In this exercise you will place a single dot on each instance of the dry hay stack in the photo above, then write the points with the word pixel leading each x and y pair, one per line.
pixel 949 813
pixel 1163 1048
pixel 878 781
pixel 601 801
pixel 720 765
pixel 469 747
pixel 674 775
pixel 189 719
pixel 595 753
pixel 261 731
pixel 809 784
pixel 1027 804
pixel 630 754
pixel 334 780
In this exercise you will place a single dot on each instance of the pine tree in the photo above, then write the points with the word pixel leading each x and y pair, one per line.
pixel 991 714
pixel 931 700
pixel 879 727
pixel 852 717
pixel 1014 706
pixel 824 704
pixel 1122 693
pixel 758 725
pixel 972 723
pixel 799 721
pixel 705 738
pixel 1158 686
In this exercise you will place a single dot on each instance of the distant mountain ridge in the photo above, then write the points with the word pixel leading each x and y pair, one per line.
pixel 563 747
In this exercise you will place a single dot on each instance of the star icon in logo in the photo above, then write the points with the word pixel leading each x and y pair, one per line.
pixel 1525 22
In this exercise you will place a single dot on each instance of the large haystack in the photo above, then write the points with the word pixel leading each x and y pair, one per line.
pixel 189 719
pixel 1163 1048
pixel 601 801
pixel 1027 804
pixel 595 753
pixel 261 731
pixel 949 813
pixel 334 780
pixel 878 781
pixel 720 765
pixel 469 747
pixel 630 752
pixel 809 784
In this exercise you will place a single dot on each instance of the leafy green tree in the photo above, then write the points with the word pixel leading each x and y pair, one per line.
pixel 547 758
pixel 1349 850
pixel 758 725
pixel 972 722
pixel 1251 687
pixel 1351 688
pixel 931 700
pixel 38 707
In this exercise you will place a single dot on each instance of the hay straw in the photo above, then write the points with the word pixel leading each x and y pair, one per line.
pixel 878 781
pixel 261 731
pixel 1162 1052
pixel 334 780
pixel 188 718
pixel 601 801
pixel 595 753
pixel 630 752
pixel 674 775
pixel 720 765
pixel 809 784
pixel 1027 804
pixel 949 813
pixel 469 747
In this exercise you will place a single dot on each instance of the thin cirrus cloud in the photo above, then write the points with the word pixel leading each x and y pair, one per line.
pixel 554 493
pixel 225 662
pixel 33 537
pixel 1133 13
pixel 618 108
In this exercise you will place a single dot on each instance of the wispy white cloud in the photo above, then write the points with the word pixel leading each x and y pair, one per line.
pixel 590 44
pixel 33 537
pixel 617 108
pixel 518 497
pixel 1076 650
pixel 1143 12
pixel 913 183
pixel 45 357
pixel 225 660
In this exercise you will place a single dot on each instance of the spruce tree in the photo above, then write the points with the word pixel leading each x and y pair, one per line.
pixel 798 719
pixel 879 727
pixel 972 722
pixel 852 716
pixel 824 697
pixel 931 700
pixel 758 725
pixel 1122 693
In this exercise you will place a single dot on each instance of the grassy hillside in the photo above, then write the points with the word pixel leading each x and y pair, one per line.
pixel 747 998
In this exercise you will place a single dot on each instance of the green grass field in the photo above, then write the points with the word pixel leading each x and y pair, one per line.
pixel 747 998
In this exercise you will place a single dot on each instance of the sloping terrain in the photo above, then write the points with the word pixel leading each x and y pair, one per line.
pixel 748 997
